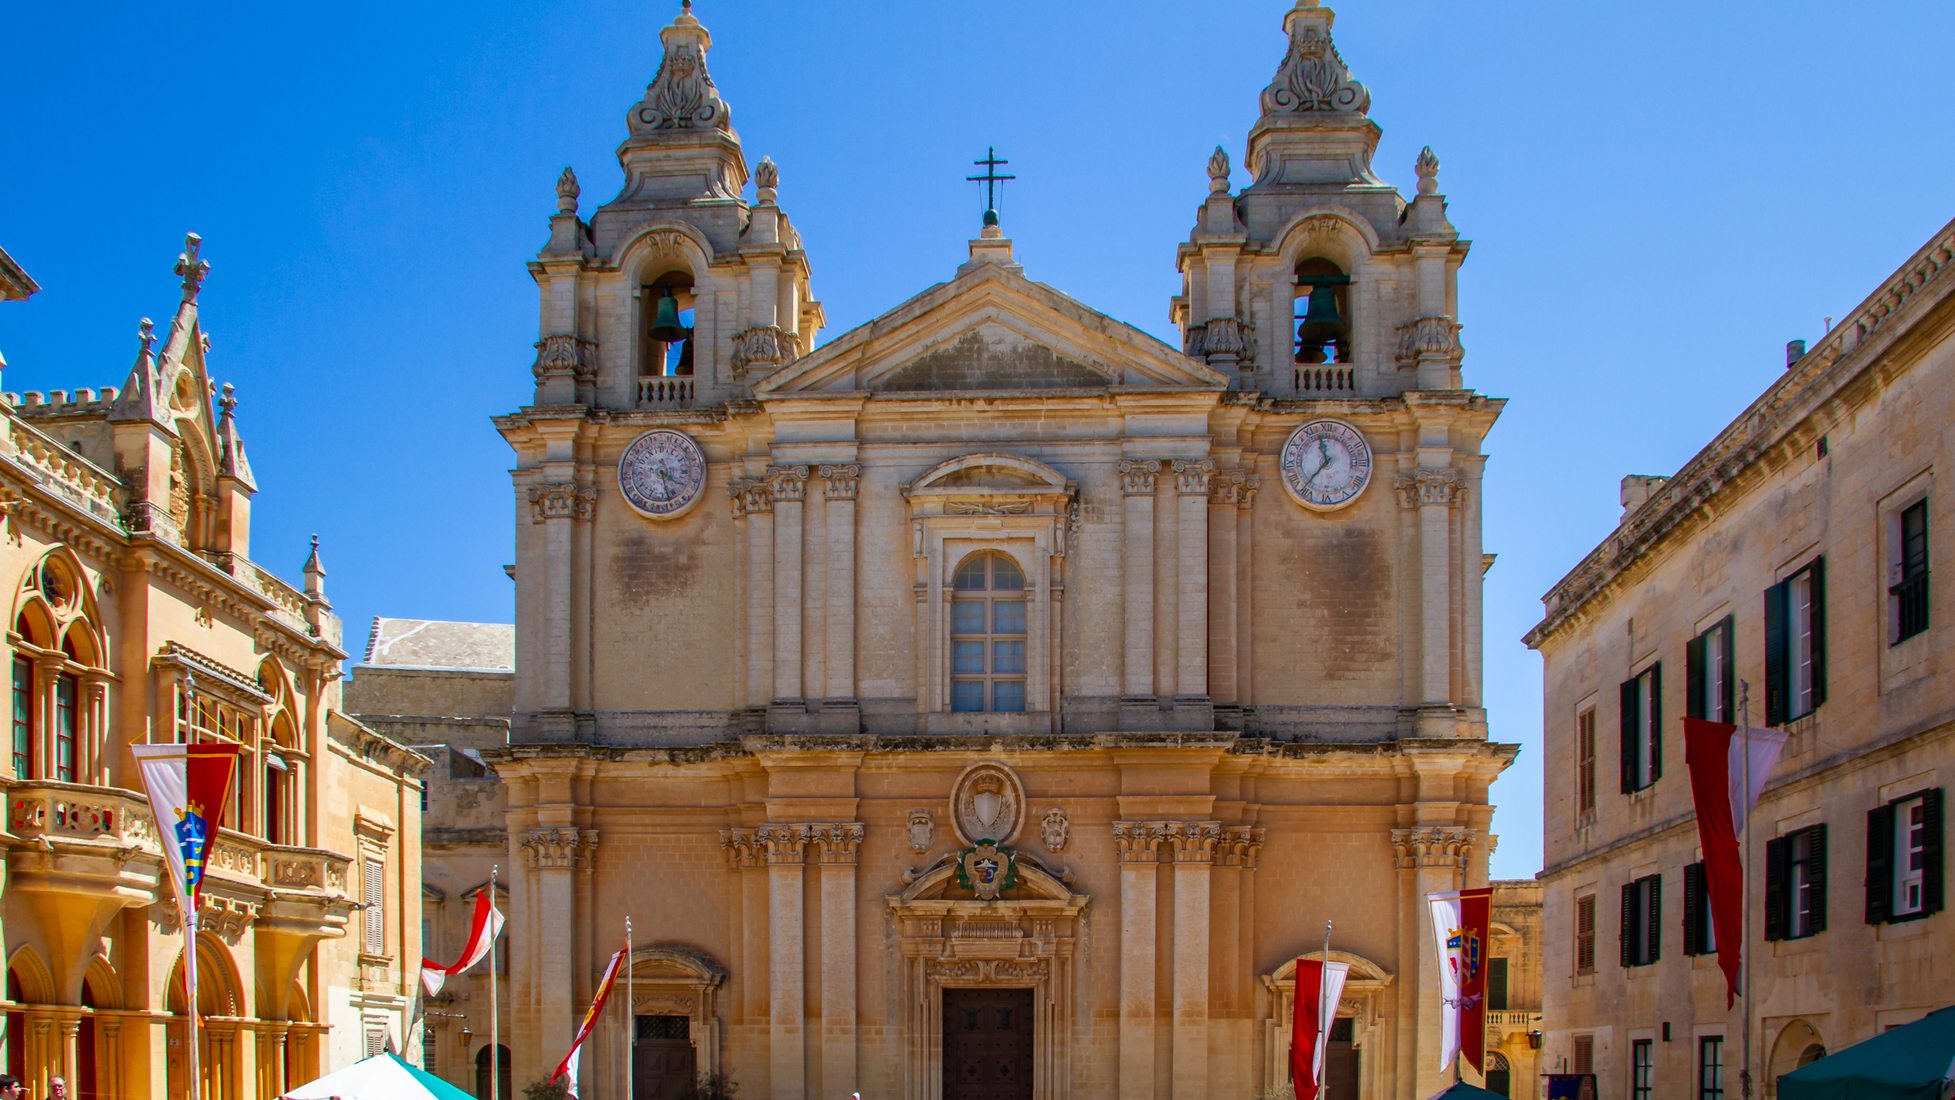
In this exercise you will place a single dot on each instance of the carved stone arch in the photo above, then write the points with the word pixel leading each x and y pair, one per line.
pixel 219 984
pixel 1333 233
pixel 30 972
pixel 102 984
pixel 1003 470
pixel 60 560
pixel 677 980
pixel 1794 1046
pixel 298 1006
pixel 33 623
pixel 1364 1003
pixel 664 242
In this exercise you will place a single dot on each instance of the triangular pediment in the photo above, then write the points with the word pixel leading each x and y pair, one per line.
pixel 990 330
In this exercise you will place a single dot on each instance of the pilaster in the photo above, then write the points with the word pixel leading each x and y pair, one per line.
pixel 786 847
pixel 1138 843
pixel 1192 478
pixel 1434 493
pixel 1137 482
pixel 789 487
pixel 1224 491
pixel 558 506
pixel 1193 845
pixel 753 504
pixel 1429 860
pixel 552 854
pixel 840 486
pixel 838 844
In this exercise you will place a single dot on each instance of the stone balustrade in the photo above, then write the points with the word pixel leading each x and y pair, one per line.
pixel 666 392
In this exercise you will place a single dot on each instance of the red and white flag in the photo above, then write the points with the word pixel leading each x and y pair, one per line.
pixel 1319 985
pixel 568 1067
pixel 188 787
pixel 483 929
pixel 1721 757
pixel 1459 931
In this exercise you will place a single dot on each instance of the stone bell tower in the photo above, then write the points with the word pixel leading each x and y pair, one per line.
pixel 1319 279
pixel 731 274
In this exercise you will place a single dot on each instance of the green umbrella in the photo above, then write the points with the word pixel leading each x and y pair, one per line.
pixel 1914 1062
pixel 1464 1091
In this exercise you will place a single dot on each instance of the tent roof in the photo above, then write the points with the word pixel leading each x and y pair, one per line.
pixel 1463 1091
pixel 381 1077
pixel 1913 1062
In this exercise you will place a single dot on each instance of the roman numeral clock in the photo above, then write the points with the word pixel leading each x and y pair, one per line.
pixel 1326 464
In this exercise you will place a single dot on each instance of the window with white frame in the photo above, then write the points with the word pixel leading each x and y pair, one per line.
pixel 1711 681
pixel 1795 644
pixel 988 636
pixel 1904 858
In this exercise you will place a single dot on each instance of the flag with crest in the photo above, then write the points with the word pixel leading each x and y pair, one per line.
pixel 188 788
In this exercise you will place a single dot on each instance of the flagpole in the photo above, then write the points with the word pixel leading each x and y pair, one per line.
pixel 190 993
pixel 1744 870
pixel 631 1019
pixel 495 1034
pixel 1323 1019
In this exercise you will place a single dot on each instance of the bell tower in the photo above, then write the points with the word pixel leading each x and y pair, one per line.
pixel 678 292
pixel 1319 279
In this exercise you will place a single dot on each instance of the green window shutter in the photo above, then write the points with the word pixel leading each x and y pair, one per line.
pixel 1628 739
pixel 1727 639
pixel 1656 721
pixel 1775 875
pixel 1497 985
pixel 1775 654
pixel 1816 874
pixel 1880 864
pixel 1693 909
pixel 1628 925
pixel 1818 631
pixel 1931 881
pixel 1653 917
pixel 1693 678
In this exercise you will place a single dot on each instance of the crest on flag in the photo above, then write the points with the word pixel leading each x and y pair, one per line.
pixel 191 831
pixel 1464 944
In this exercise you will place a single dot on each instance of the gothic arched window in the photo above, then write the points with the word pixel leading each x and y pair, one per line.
pixel 987 636
pixel 1323 313
pixel 59 675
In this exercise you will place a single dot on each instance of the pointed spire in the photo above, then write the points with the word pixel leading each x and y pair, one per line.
pixel 1313 130
pixel 315 573
pixel 230 445
pixel 567 192
pixel 191 266
pixel 138 399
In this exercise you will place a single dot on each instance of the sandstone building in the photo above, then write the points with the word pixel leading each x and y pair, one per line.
pixel 137 613
pixel 1792 556
pixel 1514 1019
pixel 991 700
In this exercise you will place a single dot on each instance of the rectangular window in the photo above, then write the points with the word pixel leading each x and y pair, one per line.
pixel 1585 934
pixel 1699 932
pixel 23 718
pixel 1795 884
pixel 1904 858
pixel 1795 644
pixel 373 891
pixel 1642 729
pixel 376 1040
pixel 1584 1057
pixel 1642 1069
pixel 1908 590
pixel 1585 762
pixel 66 687
pixel 1497 985
pixel 1711 680
pixel 1642 913
pixel 1710 1067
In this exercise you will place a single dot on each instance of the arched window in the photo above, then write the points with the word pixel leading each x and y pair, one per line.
pixel 482 1078
pixel 283 762
pixel 666 331
pixel 1499 1076
pixel 59 684
pixel 987 636
pixel 1323 313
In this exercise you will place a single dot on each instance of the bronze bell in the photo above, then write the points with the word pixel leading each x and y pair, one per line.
pixel 1322 327
pixel 665 324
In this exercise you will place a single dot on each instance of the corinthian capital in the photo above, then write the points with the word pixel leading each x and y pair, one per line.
pixel 838 841
pixel 841 482
pixel 1194 841
pixel 1431 846
pixel 1191 476
pixel 561 500
pixel 788 483
pixel 1434 488
pixel 1137 476
pixel 785 844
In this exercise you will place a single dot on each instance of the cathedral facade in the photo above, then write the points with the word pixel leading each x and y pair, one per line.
pixel 994 700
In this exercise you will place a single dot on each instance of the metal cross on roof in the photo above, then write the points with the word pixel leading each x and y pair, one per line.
pixel 991 179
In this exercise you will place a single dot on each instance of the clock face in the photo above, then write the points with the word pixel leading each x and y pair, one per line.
pixel 1326 464
pixel 662 473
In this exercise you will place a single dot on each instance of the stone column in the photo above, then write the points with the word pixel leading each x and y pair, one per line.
pixel 557 505
pixel 789 485
pixel 1138 843
pixel 551 856
pixel 838 844
pixel 1137 480
pixel 786 982
pixel 1433 492
pixel 1223 491
pixel 1194 850
pixel 68 1036
pixel 840 486
pixel 755 501
pixel 1245 550
pixel 1429 860
pixel 1191 485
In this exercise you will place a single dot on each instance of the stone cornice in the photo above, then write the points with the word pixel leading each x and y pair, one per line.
pixel 1758 441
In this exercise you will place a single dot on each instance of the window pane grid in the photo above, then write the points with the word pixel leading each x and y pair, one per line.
pixel 988 636
pixel 1641 1069
pixel 23 718
pixel 1585 767
pixel 1800 666
pixel 1710 1068
pixel 65 690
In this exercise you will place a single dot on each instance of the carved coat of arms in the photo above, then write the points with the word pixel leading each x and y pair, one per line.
pixel 987 870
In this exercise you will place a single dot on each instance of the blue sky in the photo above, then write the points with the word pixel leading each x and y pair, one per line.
pixel 1660 196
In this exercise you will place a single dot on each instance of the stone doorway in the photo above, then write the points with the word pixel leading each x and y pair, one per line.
pixel 663 1061
pixel 1341 1063
pixel 987 1044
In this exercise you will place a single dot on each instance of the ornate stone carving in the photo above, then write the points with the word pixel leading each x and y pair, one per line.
pixel 1218 171
pixel 921 829
pixel 1428 336
pixel 761 346
pixel 987 803
pixel 1137 476
pixel 567 192
pixel 192 266
pixel 741 850
pixel 1138 841
pixel 784 844
pixel 559 848
pixel 561 500
pixel 788 483
pixel 1252 483
pixel 1428 487
pixel 295 873
pixel 1054 830
pixel 986 971
pixel 1194 841
pixel 1313 76
pixel 227 917
pixel 1225 488
pixel 1191 476
pixel 766 180
pixel 560 355
pixel 1223 338
pixel 751 495
pixel 841 482
pixel 1428 168
pixel 681 95
pixel 987 507
pixel 838 842
pixel 1239 846
pixel 1431 846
